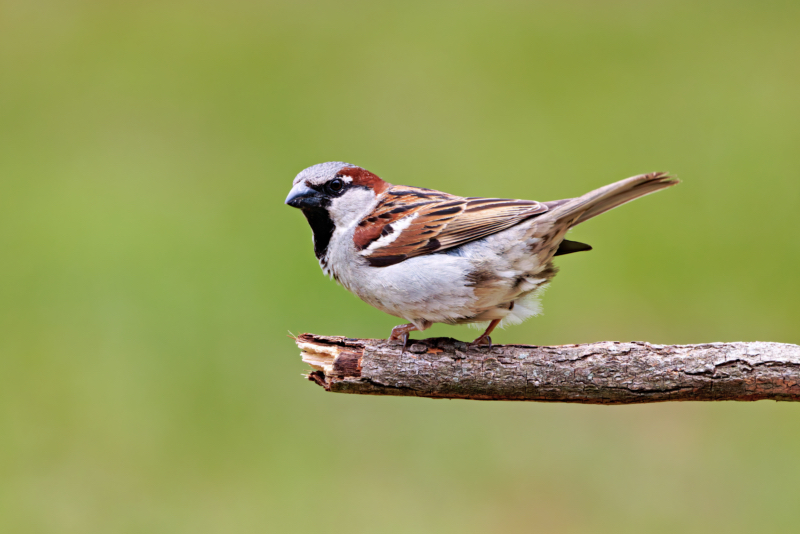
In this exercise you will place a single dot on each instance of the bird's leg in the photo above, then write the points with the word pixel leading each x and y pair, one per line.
pixel 484 339
pixel 401 332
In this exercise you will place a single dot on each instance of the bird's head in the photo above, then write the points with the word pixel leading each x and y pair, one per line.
pixel 334 195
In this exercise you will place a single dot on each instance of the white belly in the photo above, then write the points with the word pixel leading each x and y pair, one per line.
pixel 492 278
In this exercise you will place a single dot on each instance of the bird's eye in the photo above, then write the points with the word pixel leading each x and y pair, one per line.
pixel 336 185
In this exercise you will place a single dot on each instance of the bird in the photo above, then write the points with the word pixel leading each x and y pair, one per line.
pixel 428 257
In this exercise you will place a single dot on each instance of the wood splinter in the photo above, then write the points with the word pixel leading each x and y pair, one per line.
pixel 607 372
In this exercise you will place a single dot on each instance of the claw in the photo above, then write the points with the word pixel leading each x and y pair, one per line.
pixel 401 332
pixel 483 340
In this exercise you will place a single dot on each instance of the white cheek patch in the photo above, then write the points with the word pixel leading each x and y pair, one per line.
pixel 351 207
pixel 397 229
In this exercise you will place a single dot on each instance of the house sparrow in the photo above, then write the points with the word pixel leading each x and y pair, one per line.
pixel 431 257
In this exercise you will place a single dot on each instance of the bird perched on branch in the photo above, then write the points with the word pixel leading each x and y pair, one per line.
pixel 431 257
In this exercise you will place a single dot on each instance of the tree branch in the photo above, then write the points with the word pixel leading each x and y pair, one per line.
pixel 606 372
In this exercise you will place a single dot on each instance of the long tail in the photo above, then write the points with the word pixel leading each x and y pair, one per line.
pixel 553 225
pixel 577 210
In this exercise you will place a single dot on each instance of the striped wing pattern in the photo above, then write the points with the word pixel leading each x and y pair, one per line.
pixel 410 221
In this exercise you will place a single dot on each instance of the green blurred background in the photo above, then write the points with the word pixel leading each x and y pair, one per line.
pixel 150 271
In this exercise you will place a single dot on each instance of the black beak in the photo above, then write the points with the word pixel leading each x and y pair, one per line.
pixel 303 197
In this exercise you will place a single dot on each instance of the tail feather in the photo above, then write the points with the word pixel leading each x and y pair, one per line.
pixel 568 247
pixel 609 197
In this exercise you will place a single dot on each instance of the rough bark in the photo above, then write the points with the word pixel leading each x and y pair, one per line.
pixel 607 372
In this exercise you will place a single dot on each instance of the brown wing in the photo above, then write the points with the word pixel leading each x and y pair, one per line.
pixel 412 221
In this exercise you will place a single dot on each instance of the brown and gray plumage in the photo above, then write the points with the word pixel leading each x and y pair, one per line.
pixel 432 257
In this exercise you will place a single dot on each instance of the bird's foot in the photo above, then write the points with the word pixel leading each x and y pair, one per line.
pixel 483 340
pixel 401 332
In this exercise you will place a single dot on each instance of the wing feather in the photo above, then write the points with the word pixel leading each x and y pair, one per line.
pixel 411 221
